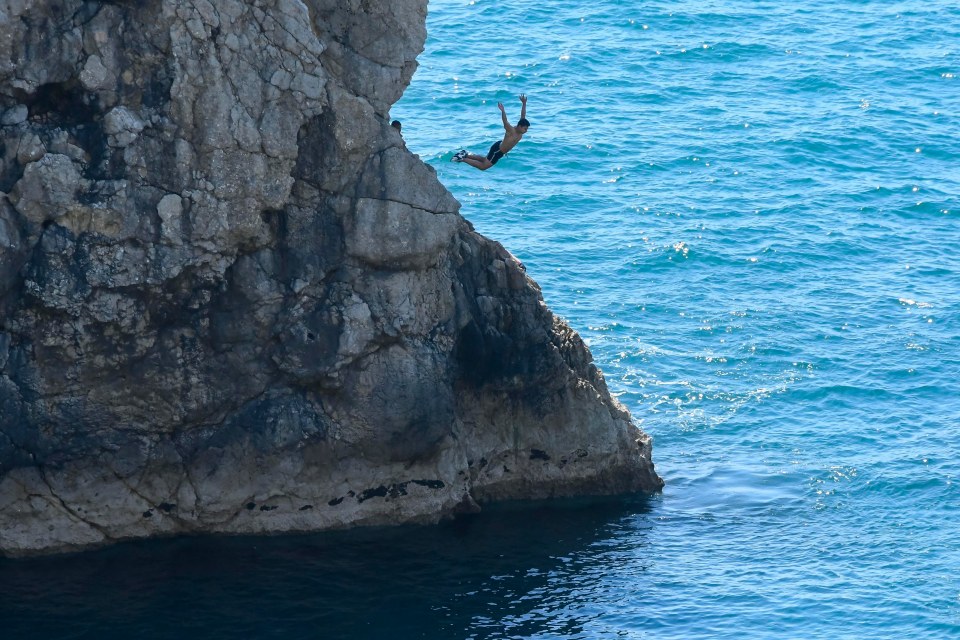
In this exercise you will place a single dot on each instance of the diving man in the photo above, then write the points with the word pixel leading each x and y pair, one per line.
pixel 511 137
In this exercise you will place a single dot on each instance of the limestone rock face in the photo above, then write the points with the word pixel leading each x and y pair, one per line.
pixel 232 301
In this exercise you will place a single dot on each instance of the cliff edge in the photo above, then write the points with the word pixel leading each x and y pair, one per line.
pixel 232 301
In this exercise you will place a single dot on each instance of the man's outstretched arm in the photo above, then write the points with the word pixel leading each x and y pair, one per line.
pixel 503 115
pixel 523 109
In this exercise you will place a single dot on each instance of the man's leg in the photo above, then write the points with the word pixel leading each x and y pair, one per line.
pixel 480 162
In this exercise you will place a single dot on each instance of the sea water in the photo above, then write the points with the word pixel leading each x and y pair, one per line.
pixel 750 211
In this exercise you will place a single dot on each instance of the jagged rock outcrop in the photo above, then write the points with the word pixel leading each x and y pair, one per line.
pixel 232 301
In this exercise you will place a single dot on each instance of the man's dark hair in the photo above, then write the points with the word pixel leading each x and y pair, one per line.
pixel 395 124
pixel 523 122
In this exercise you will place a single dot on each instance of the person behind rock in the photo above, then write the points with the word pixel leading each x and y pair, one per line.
pixel 500 148
pixel 396 125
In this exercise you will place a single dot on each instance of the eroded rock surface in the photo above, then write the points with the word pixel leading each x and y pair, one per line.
pixel 232 301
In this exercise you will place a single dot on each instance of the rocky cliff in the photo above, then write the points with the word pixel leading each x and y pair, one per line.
pixel 232 301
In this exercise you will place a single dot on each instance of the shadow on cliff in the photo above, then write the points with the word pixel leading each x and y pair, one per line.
pixel 515 570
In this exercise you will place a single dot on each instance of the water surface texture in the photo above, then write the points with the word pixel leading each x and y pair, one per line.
pixel 749 209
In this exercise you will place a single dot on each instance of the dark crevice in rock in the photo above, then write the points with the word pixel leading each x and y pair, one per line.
pixel 10 169
pixel 485 356
pixel 87 11
pixel 392 491
pixel 156 90
pixel 319 154
pixel 70 107
pixel 379 492
pixel 430 484
pixel 63 104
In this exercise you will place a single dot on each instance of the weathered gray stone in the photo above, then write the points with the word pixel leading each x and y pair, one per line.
pixel 94 75
pixel 16 114
pixel 232 301
pixel 170 210
pixel 122 125
pixel 393 235
pixel 47 190
pixel 30 149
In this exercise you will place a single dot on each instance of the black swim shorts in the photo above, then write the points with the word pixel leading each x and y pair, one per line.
pixel 494 154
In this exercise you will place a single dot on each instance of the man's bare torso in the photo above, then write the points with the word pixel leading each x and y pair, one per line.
pixel 510 140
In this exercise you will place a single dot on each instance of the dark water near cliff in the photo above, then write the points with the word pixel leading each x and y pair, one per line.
pixel 514 571
pixel 750 211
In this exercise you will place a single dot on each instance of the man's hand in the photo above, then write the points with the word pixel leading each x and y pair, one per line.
pixel 500 105
pixel 523 99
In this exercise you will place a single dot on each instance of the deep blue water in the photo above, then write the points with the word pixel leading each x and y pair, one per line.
pixel 749 209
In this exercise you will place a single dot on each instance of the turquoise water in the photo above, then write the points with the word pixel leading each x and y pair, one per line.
pixel 749 210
